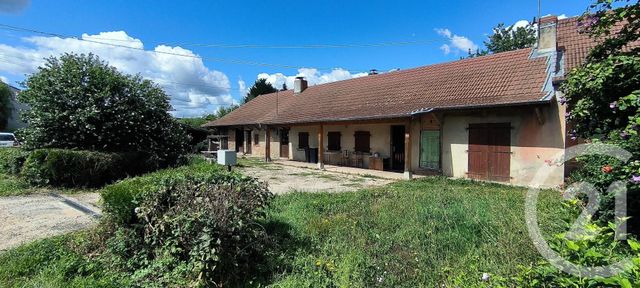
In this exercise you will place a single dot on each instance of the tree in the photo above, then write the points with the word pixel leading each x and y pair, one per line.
pixel 197 122
pixel 5 105
pixel 80 102
pixel 507 39
pixel 260 87
pixel 603 101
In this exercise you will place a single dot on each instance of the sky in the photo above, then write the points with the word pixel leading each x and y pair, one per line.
pixel 206 54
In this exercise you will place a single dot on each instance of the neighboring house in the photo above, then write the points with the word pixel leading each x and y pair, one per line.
pixel 494 118
pixel 14 120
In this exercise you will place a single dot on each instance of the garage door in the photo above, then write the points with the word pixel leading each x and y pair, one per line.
pixel 490 151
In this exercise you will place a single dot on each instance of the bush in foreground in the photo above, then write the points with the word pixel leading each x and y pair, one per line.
pixel 187 229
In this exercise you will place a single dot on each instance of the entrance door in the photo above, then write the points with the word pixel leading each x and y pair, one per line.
pixel 397 147
pixel 284 143
pixel 490 151
pixel 239 140
pixel 247 150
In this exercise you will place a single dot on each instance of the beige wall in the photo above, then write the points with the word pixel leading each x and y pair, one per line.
pixel 531 142
pixel 380 139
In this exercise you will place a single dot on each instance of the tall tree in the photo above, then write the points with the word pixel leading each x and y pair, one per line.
pixel 507 39
pixel 5 105
pixel 80 102
pixel 260 87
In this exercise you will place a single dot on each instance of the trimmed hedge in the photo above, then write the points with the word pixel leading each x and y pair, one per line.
pixel 12 159
pixel 194 226
pixel 72 168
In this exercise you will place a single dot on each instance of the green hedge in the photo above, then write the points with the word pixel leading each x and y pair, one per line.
pixel 194 226
pixel 72 168
pixel 12 159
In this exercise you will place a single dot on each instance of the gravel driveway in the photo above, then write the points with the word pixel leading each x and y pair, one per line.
pixel 27 218
pixel 284 179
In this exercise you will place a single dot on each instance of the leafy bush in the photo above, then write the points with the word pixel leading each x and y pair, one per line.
pixel 11 160
pixel 80 102
pixel 187 228
pixel 596 247
pixel 5 105
pixel 71 168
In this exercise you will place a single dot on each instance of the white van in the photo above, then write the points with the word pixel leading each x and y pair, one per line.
pixel 8 140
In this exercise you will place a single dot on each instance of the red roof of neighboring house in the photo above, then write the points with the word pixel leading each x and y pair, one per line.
pixel 508 78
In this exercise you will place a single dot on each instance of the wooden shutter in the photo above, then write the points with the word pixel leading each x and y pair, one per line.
pixel 333 141
pixel 363 141
pixel 303 140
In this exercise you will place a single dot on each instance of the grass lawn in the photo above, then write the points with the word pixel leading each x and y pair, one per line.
pixel 425 232
pixel 14 186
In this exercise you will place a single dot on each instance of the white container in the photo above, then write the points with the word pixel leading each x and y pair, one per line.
pixel 227 157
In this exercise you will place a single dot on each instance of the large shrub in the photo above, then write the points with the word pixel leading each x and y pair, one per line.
pixel 5 105
pixel 80 102
pixel 72 168
pixel 11 160
pixel 195 228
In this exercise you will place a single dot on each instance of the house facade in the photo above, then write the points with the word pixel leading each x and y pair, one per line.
pixel 495 118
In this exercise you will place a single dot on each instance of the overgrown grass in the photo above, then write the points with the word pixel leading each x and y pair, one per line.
pixel 12 186
pixel 426 233
pixel 421 233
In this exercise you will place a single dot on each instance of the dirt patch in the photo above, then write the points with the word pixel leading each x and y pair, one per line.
pixel 285 179
pixel 27 218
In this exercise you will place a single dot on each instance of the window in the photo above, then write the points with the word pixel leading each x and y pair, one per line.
pixel 334 141
pixel 430 149
pixel 256 139
pixel 303 140
pixel 362 139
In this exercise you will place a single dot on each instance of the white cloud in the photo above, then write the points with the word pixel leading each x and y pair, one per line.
pixel 242 88
pixel 520 24
pixel 4 79
pixel 313 76
pixel 456 43
pixel 194 88
pixel 13 6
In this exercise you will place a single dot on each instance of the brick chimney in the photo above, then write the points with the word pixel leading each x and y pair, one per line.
pixel 548 33
pixel 299 85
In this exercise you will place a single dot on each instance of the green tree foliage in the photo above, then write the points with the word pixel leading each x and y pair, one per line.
pixel 5 105
pixel 197 122
pixel 507 39
pixel 80 102
pixel 603 100
pixel 260 87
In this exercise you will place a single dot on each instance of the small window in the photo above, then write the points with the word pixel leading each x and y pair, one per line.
pixel 430 150
pixel 334 141
pixel 256 139
pixel 303 140
pixel 363 140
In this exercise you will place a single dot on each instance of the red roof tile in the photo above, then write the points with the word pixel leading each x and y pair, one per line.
pixel 500 79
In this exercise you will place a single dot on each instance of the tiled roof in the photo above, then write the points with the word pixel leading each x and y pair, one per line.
pixel 501 79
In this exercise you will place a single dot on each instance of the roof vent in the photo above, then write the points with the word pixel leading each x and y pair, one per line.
pixel 299 85
pixel 373 72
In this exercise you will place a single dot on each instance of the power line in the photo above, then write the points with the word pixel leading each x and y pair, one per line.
pixel 213 59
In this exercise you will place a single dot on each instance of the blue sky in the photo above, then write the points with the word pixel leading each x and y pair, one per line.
pixel 198 86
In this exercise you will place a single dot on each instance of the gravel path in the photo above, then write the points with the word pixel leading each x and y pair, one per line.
pixel 27 218
pixel 285 179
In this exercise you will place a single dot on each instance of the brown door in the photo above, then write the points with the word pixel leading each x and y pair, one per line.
pixel 284 143
pixel 239 140
pixel 490 151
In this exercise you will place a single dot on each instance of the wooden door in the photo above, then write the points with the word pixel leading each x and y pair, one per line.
pixel 397 147
pixel 490 151
pixel 284 143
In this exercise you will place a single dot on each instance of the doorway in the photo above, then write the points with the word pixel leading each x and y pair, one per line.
pixel 239 140
pixel 490 151
pixel 397 147
pixel 284 143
